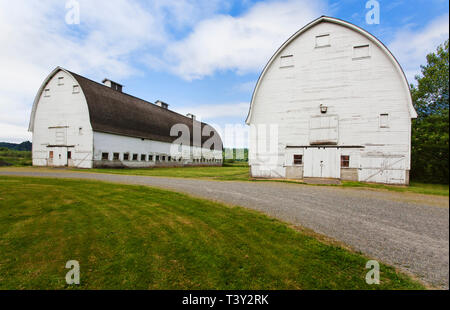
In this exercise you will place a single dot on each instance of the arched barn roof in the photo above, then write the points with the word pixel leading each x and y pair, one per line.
pixel 115 112
pixel 321 19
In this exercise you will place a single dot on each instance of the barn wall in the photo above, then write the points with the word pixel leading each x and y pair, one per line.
pixel 110 143
pixel 62 124
pixel 355 90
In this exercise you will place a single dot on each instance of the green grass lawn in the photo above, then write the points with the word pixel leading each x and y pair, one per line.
pixel 229 172
pixel 414 187
pixel 135 237
pixel 14 158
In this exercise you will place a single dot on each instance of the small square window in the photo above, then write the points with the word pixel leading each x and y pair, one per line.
pixel 298 159
pixel 157 157
pixel 76 89
pixel 126 156
pixel 323 40
pixel 345 161
pixel 287 61
pixel 169 158
pixel 150 157
pixel 384 120
pixel 361 51
pixel 116 156
pixel 61 80
pixel 135 156
pixel 47 93
pixel 164 158
pixel 143 157
pixel 105 156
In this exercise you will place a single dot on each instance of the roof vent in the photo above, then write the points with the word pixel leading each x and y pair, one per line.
pixel 162 104
pixel 191 116
pixel 112 84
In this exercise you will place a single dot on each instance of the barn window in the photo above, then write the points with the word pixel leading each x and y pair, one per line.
pixel 384 120
pixel 116 156
pixel 345 161
pixel 298 159
pixel 76 89
pixel 143 156
pixel 47 93
pixel 61 80
pixel 323 40
pixel 69 155
pixel 135 156
pixel 157 157
pixel 105 156
pixel 361 51
pixel 50 154
pixel 126 156
pixel 150 157
pixel 286 61
pixel 163 158
pixel 169 158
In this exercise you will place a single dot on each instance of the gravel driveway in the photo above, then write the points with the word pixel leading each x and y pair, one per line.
pixel 409 231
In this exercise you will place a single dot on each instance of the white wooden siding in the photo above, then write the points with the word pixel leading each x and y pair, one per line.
pixel 357 90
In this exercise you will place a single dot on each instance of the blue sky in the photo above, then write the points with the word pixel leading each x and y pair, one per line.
pixel 199 56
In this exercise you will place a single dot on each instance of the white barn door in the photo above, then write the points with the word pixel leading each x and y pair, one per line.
pixel 322 163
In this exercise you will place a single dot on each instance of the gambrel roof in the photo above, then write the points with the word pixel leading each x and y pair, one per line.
pixel 115 112
pixel 372 38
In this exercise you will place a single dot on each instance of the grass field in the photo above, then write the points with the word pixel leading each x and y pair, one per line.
pixel 14 158
pixel 134 237
pixel 229 172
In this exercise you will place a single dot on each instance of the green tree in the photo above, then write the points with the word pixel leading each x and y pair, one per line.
pixel 430 148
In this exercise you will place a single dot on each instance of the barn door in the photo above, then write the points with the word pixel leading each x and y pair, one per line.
pixel 322 163
pixel 58 157
pixel 383 169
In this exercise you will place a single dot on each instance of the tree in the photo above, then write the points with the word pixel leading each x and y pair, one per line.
pixel 430 131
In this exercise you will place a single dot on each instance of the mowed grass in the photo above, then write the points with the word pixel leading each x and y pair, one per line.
pixel 414 187
pixel 135 237
pixel 229 172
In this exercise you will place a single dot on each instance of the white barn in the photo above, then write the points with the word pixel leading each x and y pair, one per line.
pixel 339 106
pixel 77 122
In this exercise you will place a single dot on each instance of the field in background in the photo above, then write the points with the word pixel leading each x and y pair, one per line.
pixel 135 237
pixel 10 157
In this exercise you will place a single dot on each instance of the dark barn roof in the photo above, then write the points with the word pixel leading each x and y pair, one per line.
pixel 118 113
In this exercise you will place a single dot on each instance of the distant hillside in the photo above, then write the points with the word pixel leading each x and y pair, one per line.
pixel 24 146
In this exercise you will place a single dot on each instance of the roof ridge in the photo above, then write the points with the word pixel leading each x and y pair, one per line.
pixel 126 94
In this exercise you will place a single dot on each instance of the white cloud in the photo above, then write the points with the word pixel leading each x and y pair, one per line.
pixel 246 86
pixel 210 112
pixel 410 47
pixel 35 38
pixel 243 43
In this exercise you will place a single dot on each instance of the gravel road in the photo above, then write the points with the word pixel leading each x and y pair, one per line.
pixel 409 231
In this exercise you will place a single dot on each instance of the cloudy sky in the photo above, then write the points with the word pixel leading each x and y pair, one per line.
pixel 202 56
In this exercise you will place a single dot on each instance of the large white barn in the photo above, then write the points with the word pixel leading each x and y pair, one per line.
pixel 77 122
pixel 338 105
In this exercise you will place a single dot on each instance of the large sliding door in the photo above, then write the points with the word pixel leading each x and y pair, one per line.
pixel 322 162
